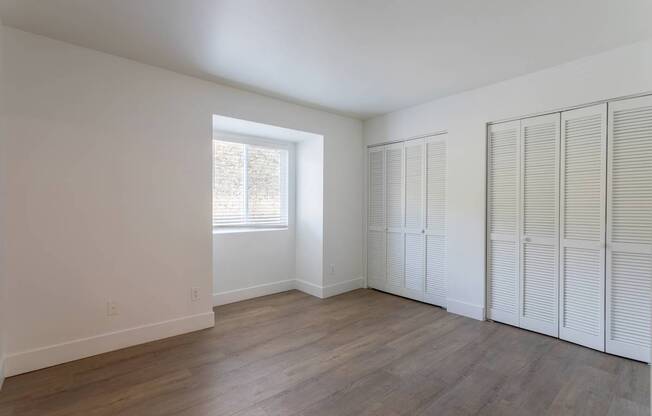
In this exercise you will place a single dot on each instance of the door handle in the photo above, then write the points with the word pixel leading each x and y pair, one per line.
pixel 527 239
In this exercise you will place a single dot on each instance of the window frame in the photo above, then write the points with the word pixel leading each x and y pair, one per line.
pixel 263 142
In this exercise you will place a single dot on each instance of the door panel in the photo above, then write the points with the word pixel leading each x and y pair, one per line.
pixel 582 222
pixel 414 218
pixel 376 238
pixel 436 217
pixel 503 222
pixel 395 197
pixel 539 243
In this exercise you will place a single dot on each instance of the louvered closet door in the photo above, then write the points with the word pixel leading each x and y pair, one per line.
pixel 503 143
pixel 629 228
pixel 394 180
pixel 435 230
pixel 582 222
pixel 539 224
pixel 376 237
pixel 415 243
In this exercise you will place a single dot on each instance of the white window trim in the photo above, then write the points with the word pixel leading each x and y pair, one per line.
pixel 267 142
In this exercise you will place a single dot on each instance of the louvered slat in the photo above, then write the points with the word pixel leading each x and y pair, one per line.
pixel 436 269
pixel 394 186
pixel 582 295
pixel 395 259
pixel 414 185
pixel 376 264
pixel 582 256
pixel 414 264
pixel 376 217
pixel 540 177
pixel 436 185
pixel 503 222
pixel 503 179
pixel 539 290
pixel 631 277
pixel 629 229
pixel 503 278
pixel 540 224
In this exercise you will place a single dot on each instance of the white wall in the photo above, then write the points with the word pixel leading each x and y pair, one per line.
pixel 3 288
pixel 109 177
pixel 309 215
pixel 620 72
pixel 250 264
pixel 344 187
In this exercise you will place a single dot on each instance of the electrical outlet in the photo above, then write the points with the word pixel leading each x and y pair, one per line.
pixel 111 308
pixel 331 269
pixel 194 294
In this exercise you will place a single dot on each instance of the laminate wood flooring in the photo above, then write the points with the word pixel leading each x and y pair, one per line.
pixel 362 353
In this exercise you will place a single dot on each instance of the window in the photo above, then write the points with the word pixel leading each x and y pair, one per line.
pixel 250 185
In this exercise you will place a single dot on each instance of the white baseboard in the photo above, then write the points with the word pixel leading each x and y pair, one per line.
pixel 330 290
pixel 342 287
pixel 312 289
pixel 222 298
pixel 309 288
pixel 465 309
pixel 25 361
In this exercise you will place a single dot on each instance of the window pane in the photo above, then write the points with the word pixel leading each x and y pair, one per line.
pixel 265 187
pixel 228 183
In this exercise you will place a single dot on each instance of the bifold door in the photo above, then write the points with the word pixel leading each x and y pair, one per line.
pixel 406 231
pixel 522 223
pixel 569 225
pixel 629 229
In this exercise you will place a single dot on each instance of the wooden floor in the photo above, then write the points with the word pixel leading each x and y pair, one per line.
pixel 361 353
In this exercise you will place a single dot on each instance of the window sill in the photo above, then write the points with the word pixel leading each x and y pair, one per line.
pixel 238 230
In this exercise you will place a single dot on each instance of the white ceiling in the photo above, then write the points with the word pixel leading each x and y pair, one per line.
pixel 357 57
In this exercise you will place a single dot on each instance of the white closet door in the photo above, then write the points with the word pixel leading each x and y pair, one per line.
pixel 582 221
pixel 503 175
pixel 629 229
pixel 376 238
pixel 435 227
pixel 539 224
pixel 394 180
pixel 415 244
